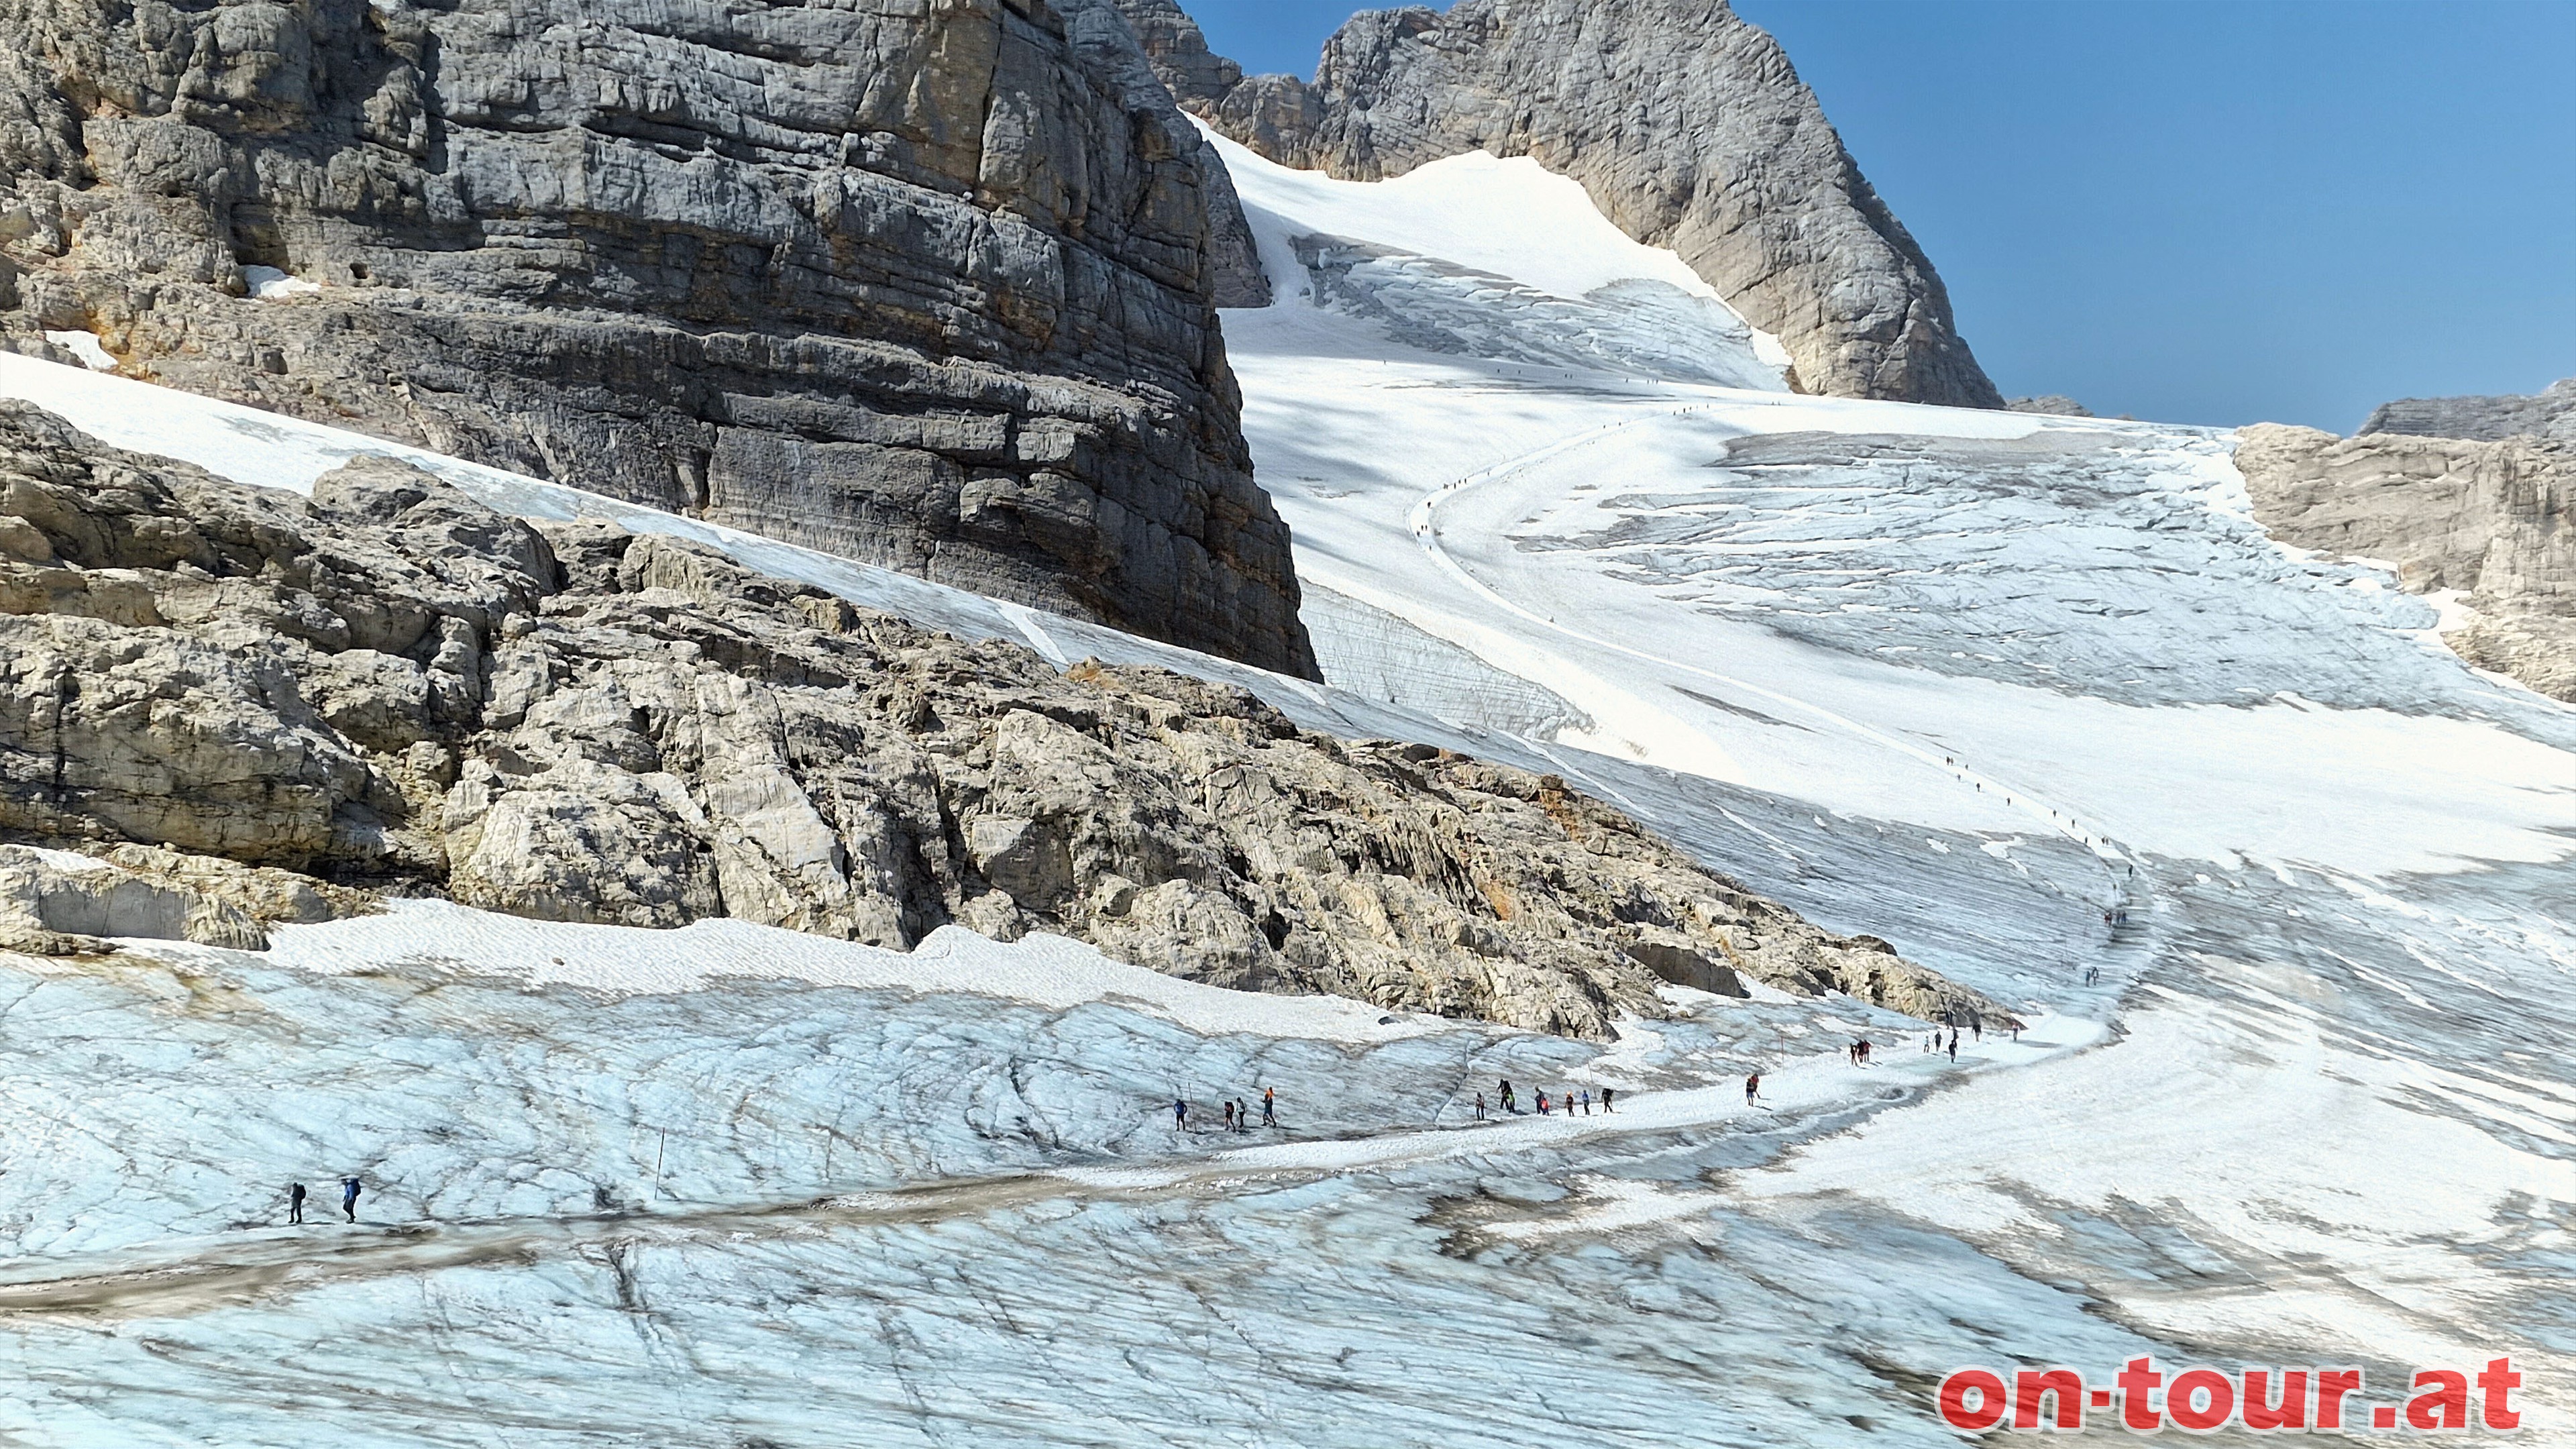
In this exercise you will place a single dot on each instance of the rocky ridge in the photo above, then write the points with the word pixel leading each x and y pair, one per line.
pixel 1688 127
pixel 2550 413
pixel 931 286
pixel 390 686
pixel 2491 524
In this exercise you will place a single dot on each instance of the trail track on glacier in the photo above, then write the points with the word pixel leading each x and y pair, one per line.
pixel 204 1273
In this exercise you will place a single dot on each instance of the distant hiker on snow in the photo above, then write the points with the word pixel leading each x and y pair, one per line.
pixel 1542 1104
pixel 1270 1106
pixel 1480 1106
pixel 1605 1098
pixel 1242 1116
pixel 1180 1115
pixel 349 1197
pixel 295 1202
pixel 1587 1101
pixel 1507 1097
pixel 1954 1046
pixel 1752 1088
pixel 1229 1116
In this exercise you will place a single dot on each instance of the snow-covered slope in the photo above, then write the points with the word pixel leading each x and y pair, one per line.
pixel 2344 855
pixel 1965 680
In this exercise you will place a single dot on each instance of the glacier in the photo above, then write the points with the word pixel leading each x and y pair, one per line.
pixel 1968 681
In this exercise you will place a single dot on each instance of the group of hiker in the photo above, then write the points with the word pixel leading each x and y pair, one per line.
pixel 1566 1101
pixel 1238 1117
pixel 348 1200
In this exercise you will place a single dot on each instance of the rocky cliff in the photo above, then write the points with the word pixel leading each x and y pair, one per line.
pixel 1689 128
pixel 389 686
pixel 2491 523
pixel 929 285
pixel 2550 413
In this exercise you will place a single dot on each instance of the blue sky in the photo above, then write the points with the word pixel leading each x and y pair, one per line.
pixel 2209 211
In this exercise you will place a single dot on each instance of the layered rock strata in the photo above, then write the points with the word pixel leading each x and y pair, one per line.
pixel 1688 127
pixel 2490 524
pixel 391 686
pixel 926 285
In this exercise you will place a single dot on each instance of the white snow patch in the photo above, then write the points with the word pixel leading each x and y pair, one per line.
pixel 1513 218
pixel 269 284
pixel 84 346
pixel 1048 971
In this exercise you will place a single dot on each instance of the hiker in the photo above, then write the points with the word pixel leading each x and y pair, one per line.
pixel 1605 1098
pixel 1507 1098
pixel 349 1197
pixel 1752 1088
pixel 1270 1106
pixel 1587 1101
pixel 1242 1116
pixel 295 1202
pixel 1180 1115
pixel 1977 1024
pixel 1865 1045
pixel 1480 1106
pixel 1542 1104
pixel 1229 1116
pixel 1954 1045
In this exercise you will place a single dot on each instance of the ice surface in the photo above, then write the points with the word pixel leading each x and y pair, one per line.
pixel 1969 681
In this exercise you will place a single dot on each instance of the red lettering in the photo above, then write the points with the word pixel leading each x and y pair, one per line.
pixel 2030 1386
pixel 2190 1387
pixel 2138 1395
pixel 2442 1405
pixel 2499 1381
pixel 1991 1400
pixel 2262 1413
pixel 2332 1385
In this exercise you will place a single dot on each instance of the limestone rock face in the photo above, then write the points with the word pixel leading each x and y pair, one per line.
pixel 2494 521
pixel 391 686
pixel 927 284
pixel 60 903
pixel 2550 414
pixel 1687 126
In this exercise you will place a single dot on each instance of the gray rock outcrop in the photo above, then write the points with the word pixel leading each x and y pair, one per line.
pixel 2550 413
pixel 2495 521
pixel 389 685
pixel 926 285
pixel 2054 404
pixel 1688 127
pixel 56 903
